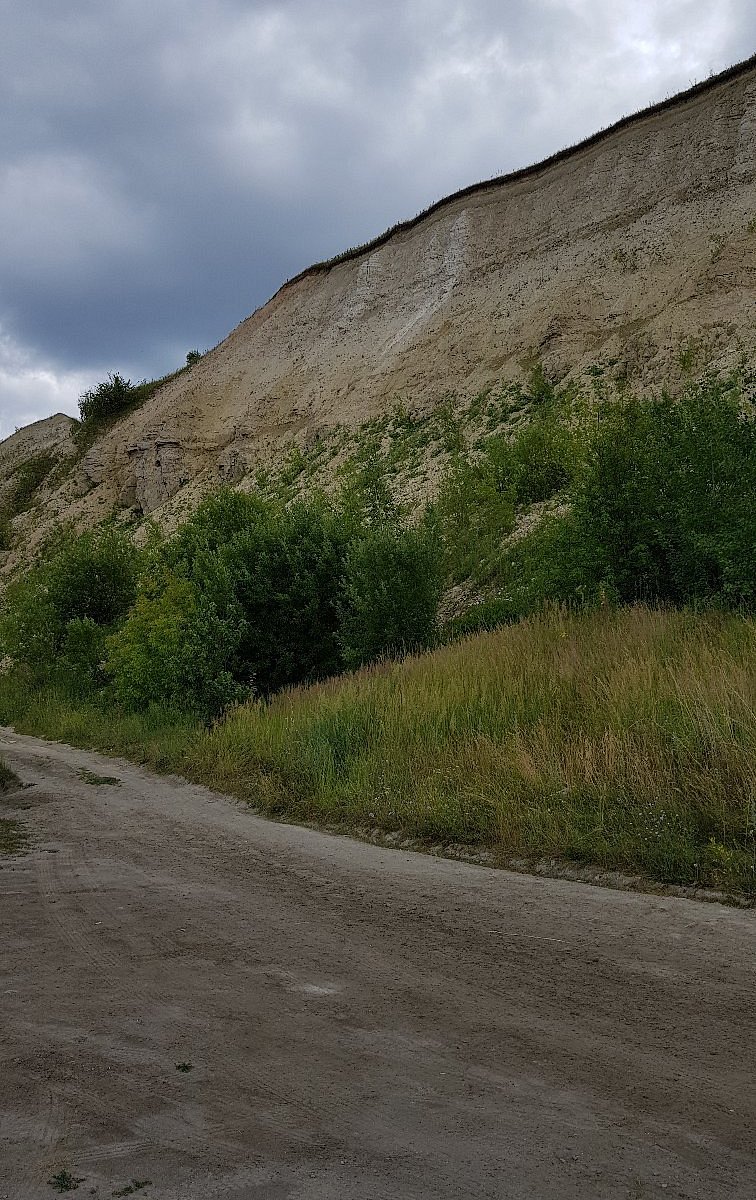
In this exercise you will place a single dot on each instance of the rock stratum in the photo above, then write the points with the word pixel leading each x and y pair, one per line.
pixel 634 251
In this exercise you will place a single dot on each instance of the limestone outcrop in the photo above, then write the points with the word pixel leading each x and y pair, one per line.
pixel 634 252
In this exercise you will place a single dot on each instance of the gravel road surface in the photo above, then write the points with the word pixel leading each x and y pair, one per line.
pixel 232 1008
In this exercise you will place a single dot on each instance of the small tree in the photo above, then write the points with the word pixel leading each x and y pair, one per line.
pixel 86 578
pixel 174 650
pixel 109 398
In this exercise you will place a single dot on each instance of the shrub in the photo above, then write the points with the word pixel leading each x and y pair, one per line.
pixel 259 581
pixel 108 399
pixel 102 405
pixel 90 577
pixel 288 571
pixel 392 591
pixel 476 508
pixel 666 501
pixel 661 511
pixel 80 664
pixel 174 650
pixel 544 453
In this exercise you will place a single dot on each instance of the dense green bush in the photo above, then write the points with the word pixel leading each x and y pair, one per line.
pixel 392 591
pixel 174 650
pixel 252 595
pixel 86 578
pixel 545 456
pixel 289 576
pixel 107 399
pixel 79 665
pixel 662 510
pixel 101 406
pixel 667 499
pixel 282 568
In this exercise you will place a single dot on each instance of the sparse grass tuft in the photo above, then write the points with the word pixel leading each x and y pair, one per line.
pixel 12 839
pixel 64 1181
pixel 136 1185
pixel 98 780
pixel 9 780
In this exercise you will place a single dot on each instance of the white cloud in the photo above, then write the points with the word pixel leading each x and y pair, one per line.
pixel 166 166
pixel 31 389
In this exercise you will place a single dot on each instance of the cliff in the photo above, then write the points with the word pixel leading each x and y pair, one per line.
pixel 634 251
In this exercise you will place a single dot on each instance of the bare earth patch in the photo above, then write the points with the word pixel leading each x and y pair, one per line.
pixel 358 1022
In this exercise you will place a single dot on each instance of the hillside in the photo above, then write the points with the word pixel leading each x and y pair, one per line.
pixel 633 254
pixel 28 459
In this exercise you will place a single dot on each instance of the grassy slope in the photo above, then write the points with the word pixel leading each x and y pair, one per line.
pixel 625 739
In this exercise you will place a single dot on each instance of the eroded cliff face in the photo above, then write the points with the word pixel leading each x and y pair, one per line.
pixel 636 253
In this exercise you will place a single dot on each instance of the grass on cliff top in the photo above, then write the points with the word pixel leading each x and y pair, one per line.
pixel 622 739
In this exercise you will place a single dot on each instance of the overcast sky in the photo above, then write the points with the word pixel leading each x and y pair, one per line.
pixel 166 164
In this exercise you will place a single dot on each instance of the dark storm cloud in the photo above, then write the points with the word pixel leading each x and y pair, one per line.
pixel 165 166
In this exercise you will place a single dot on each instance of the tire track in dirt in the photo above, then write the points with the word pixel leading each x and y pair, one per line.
pixel 102 936
pixel 364 1022
pixel 43 1133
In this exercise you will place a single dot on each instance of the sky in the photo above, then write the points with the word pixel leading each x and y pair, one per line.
pixel 165 165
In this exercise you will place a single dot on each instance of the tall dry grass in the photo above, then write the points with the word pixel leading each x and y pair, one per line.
pixel 621 738
pixel 627 739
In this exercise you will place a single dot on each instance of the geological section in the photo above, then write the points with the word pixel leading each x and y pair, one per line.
pixel 635 250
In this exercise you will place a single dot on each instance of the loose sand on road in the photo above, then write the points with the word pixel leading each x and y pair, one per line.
pixel 354 1022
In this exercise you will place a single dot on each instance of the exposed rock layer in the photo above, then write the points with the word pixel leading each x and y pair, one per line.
pixel 636 250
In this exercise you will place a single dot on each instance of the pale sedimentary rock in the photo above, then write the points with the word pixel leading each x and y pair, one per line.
pixel 635 251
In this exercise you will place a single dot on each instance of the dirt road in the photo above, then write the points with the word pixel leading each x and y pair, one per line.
pixel 358 1023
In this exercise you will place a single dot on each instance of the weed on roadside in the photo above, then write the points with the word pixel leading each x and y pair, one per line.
pixel 64 1181
pixel 9 781
pixel 136 1185
pixel 98 780
pixel 12 838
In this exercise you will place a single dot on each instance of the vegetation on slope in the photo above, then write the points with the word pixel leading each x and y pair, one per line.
pixel 595 728
pixel 99 409
pixel 625 739
pixel 111 399
pixel 25 481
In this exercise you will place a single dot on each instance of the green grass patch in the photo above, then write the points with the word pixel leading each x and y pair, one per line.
pixel 25 481
pixel 623 738
pixel 9 780
pixel 12 836
pixel 98 780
